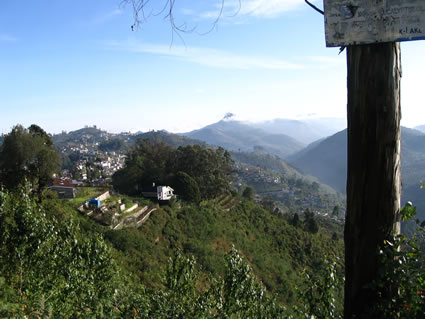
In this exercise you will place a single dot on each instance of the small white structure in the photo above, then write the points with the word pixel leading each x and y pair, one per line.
pixel 164 192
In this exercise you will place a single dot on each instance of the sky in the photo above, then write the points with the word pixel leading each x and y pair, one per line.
pixel 65 64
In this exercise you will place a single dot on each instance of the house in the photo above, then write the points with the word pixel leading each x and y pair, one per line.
pixel 66 181
pixel 161 193
pixel 164 193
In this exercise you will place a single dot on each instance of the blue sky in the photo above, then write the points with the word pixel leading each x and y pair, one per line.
pixel 66 64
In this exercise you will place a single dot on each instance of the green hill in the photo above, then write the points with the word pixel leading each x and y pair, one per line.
pixel 277 251
pixel 171 139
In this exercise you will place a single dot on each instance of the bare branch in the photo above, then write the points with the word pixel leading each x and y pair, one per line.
pixel 139 8
pixel 314 7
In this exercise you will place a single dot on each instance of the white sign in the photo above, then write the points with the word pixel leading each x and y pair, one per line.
pixel 349 22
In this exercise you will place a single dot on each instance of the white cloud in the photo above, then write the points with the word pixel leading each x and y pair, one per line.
pixel 256 8
pixel 186 11
pixel 7 38
pixel 107 16
pixel 269 8
pixel 326 62
pixel 207 56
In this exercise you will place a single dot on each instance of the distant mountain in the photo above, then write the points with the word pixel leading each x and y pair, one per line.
pixel 84 135
pixel 305 131
pixel 100 138
pixel 238 136
pixel 420 128
pixel 327 161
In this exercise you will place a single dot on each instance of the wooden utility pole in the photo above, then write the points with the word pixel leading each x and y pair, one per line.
pixel 371 31
pixel 373 182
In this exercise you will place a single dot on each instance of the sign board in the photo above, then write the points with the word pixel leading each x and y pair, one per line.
pixel 349 22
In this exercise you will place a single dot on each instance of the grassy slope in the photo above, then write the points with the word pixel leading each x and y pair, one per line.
pixel 277 251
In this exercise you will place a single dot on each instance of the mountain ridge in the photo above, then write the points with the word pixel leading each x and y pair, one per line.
pixel 235 135
pixel 327 161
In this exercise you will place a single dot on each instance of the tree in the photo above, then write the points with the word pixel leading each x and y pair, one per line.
pixel 335 211
pixel 211 169
pixel 295 220
pixel 28 154
pixel 310 222
pixel 147 162
pixel 186 188
pixel 111 145
pixel 248 193
pixel 156 162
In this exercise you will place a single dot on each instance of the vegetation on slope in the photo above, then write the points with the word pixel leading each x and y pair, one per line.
pixel 277 251
pixel 51 267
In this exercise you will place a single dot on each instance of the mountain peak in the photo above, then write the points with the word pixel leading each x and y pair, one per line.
pixel 229 116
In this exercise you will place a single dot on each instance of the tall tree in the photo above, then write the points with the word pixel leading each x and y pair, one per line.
pixel 248 193
pixel 28 154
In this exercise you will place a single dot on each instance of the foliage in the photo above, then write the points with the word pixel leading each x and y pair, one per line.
pixel 277 251
pixel 156 162
pixel 310 222
pixel 50 267
pixel 27 155
pixel 186 187
pixel 50 263
pixel 237 295
pixel 319 299
pixel 401 282
pixel 211 169
pixel 295 220
pixel 114 144
pixel 248 193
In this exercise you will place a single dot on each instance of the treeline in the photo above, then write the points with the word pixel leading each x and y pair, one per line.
pixel 192 169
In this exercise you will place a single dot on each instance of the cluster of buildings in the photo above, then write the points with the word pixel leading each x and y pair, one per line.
pixel 87 158
pixel 255 174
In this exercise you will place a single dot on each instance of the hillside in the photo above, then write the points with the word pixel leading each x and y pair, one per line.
pixel 90 135
pixel 237 136
pixel 327 161
pixel 277 251
pixel 305 131
pixel 269 175
pixel 280 185
pixel 95 138
pixel 183 254
pixel 171 139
